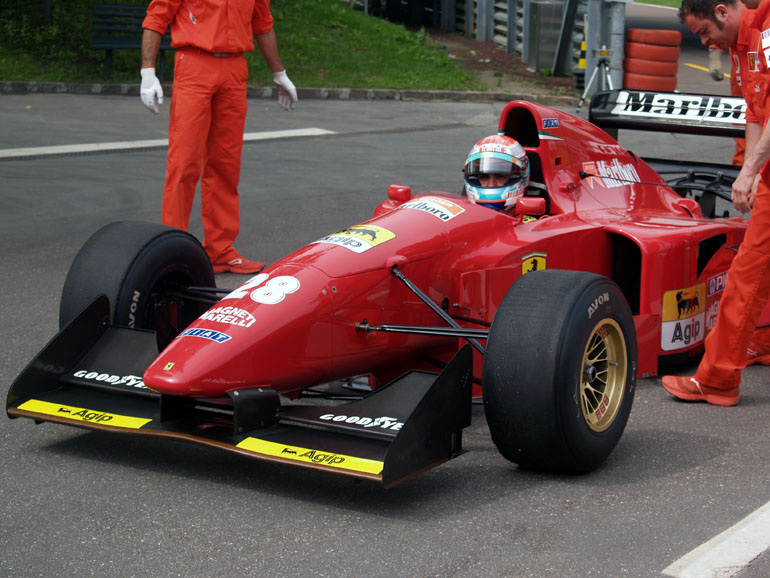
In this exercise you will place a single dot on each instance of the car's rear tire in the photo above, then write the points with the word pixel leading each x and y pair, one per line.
pixel 560 371
pixel 141 268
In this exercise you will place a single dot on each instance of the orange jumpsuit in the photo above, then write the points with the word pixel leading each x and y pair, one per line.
pixel 208 110
pixel 747 289
pixel 735 90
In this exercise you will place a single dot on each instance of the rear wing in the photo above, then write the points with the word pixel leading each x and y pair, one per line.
pixel 697 114
pixel 703 114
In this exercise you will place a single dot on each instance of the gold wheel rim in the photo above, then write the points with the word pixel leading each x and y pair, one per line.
pixel 603 375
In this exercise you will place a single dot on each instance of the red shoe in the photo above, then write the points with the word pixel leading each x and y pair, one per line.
pixel 239 265
pixel 758 354
pixel 689 389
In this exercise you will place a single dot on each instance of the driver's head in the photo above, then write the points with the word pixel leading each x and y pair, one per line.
pixel 713 21
pixel 496 172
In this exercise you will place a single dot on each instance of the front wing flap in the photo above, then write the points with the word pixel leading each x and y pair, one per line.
pixel 392 434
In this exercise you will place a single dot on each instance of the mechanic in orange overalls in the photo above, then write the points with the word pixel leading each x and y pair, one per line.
pixel 208 110
pixel 732 343
pixel 735 90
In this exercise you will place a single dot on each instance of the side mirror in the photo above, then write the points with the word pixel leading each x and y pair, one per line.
pixel 532 206
pixel 397 196
pixel 399 193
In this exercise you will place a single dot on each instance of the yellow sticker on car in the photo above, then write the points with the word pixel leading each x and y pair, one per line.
pixel 684 303
pixel 359 238
pixel 83 414
pixel 310 456
pixel 683 317
pixel 534 262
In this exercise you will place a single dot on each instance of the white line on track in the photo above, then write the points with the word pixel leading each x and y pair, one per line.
pixel 144 144
pixel 728 553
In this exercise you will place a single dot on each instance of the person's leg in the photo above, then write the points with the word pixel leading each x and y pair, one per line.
pixel 190 116
pixel 221 173
pixel 746 293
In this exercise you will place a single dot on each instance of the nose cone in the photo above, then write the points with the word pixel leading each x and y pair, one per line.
pixel 263 333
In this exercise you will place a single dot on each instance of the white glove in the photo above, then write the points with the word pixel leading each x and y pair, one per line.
pixel 151 89
pixel 287 93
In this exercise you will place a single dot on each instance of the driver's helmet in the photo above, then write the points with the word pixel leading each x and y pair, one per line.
pixel 496 155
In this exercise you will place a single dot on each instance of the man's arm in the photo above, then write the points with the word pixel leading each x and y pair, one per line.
pixel 150 47
pixel 757 154
pixel 268 46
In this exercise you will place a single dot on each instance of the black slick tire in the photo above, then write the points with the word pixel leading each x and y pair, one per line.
pixel 560 371
pixel 140 267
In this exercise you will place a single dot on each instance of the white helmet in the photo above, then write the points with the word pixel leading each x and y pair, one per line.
pixel 496 155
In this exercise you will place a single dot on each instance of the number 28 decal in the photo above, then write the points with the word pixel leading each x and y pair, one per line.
pixel 270 293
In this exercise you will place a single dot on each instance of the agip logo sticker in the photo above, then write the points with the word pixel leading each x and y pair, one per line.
pixel 312 456
pixel 684 316
pixel 84 415
pixel 359 238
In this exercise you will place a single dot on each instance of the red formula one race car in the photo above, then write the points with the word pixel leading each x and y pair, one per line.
pixel 548 313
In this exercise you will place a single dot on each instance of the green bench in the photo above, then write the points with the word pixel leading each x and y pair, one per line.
pixel 119 27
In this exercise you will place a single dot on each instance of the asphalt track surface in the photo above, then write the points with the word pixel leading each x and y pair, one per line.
pixel 78 503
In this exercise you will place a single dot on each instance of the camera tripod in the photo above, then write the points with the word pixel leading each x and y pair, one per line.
pixel 602 67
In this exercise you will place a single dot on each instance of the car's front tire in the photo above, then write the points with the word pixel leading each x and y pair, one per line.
pixel 142 268
pixel 560 371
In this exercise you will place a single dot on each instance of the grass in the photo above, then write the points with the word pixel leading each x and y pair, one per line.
pixel 323 43
pixel 670 3
pixel 354 50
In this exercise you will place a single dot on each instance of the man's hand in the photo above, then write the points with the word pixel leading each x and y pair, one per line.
pixel 287 93
pixel 151 89
pixel 744 191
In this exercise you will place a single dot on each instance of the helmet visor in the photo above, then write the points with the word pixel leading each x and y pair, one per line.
pixel 493 163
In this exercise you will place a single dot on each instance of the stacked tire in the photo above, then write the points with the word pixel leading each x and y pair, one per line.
pixel 651 59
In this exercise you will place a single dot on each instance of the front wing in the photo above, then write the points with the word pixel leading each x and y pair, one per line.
pixel 388 436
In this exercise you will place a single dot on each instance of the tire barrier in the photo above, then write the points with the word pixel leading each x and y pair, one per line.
pixel 650 67
pixel 651 59
pixel 659 37
pixel 649 82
